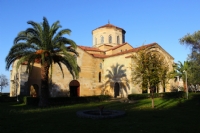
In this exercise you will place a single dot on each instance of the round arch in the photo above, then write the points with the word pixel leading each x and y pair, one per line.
pixel 74 88
pixel 116 89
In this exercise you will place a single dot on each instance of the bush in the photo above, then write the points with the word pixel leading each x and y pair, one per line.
pixel 179 94
pixel 7 99
pixel 138 96
pixel 54 101
pixel 30 100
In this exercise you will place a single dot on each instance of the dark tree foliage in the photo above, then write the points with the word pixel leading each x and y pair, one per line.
pixel 46 45
pixel 149 69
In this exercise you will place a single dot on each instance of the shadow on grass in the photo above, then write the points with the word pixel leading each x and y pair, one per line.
pixel 170 115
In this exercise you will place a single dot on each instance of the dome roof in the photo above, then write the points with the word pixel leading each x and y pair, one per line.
pixel 110 26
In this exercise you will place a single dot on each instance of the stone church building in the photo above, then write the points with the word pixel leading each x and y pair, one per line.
pixel 105 69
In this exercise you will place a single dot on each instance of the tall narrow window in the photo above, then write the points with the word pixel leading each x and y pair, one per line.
pixel 102 40
pixel 123 39
pixel 100 65
pixel 99 77
pixel 95 41
pixel 117 39
pixel 110 39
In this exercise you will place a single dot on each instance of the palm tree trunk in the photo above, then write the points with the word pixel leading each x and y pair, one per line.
pixel 44 95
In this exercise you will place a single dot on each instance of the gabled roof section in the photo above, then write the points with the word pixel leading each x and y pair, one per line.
pixel 85 48
pixel 147 46
pixel 118 46
pixel 110 26
pixel 143 47
pixel 123 52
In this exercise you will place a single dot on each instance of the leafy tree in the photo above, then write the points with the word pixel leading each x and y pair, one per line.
pixel 3 81
pixel 193 41
pixel 41 44
pixel 193 72
pixel 149 69
pixel 165 75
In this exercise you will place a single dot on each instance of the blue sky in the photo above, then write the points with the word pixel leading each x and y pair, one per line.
pixel 145 21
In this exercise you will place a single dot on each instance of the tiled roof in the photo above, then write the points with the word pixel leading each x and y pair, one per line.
pixel 85 48
pixel 99 55
pixel 110 26
pixel 108 45
pixel 140 48
pixel 115 47
pixel 124 52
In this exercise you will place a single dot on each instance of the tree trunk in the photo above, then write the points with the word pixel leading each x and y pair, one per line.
pixel 184 86
pixel 152 96
pixel 152 101
pixel 44 93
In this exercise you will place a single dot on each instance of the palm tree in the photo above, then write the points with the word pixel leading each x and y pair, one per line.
pixel 41 44
pixel 117 74
pixel 181 68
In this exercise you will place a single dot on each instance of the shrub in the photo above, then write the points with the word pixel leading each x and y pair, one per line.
pixel 30 100
pixel 4 97
pixel 54 101
pixel 179 94
pixel 138 96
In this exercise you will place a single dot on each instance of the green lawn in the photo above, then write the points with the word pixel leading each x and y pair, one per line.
pixel 169 116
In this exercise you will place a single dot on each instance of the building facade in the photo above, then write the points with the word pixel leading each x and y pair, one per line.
pixel 105 69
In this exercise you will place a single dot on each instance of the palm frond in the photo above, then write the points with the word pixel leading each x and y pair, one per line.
pixel 19 38
pixel 59 64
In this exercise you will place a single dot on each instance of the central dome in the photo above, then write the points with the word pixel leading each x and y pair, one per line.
pixel 108 34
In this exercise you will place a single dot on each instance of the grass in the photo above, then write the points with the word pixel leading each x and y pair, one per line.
pixel 168 116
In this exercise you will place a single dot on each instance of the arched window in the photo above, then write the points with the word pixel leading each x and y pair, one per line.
pixel 110 39
pixel 99 77
pixel 100 66
pixel 118 40
pixel 102 40
pixel 123 38
pixel 95 41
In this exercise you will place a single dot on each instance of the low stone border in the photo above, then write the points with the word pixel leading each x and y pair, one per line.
pixel 115 113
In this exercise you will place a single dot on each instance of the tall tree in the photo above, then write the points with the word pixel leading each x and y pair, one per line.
pixel 181 68
pixel 41 44
pixel 149 69
pixel 193 41
pixel 3 81
pixel 193 72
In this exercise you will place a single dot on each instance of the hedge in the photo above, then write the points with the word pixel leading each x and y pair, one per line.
pixel 54 101
pixel 179 94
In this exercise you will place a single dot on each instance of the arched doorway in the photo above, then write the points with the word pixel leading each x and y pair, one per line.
pixel 74 88
pixel 34 90
pixel 116 89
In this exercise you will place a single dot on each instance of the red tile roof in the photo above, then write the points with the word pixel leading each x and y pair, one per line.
pixel 108 45
pixel 124 52
pixel 140 48
pixel 85 48
pixel 115 47
pixel 99 55
pixel 110 26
